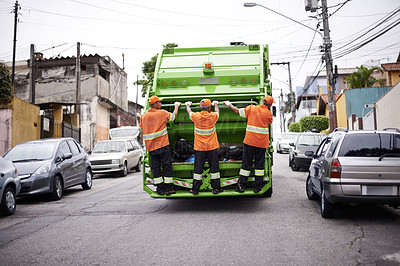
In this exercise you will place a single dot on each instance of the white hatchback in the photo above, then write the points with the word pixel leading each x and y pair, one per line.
pixel 116 156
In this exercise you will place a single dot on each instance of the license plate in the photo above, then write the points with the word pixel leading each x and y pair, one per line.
pixel 379 190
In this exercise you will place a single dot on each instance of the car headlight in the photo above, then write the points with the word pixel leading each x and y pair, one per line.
pixel 115 161
pixel 43 169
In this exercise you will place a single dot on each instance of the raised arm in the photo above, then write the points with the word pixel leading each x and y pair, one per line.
pixel 216 108
pixel 233 108
pixel 188 104
pixel 177 104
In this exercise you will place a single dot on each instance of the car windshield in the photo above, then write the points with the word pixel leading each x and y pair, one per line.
pixel 309 140
pixel 129 132
pixel 370 145
pixel 288 136
pixel 109 146
pixel 31 152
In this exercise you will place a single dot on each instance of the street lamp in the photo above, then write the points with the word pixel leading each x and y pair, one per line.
pixel 304 25
pixel 327 57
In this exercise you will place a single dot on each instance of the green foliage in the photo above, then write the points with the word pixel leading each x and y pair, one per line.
pixel 148 70
pixel 318 122
pixel 294 127
pixel 5 83
pixel 363 78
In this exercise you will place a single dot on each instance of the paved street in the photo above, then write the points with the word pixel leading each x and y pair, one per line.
pixel 116 223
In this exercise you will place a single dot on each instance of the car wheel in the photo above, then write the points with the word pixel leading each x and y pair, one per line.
pixel 309 189
pixel 57 188
pixel 88 180
pixel 327 208
pixel 278 149
pixel 290 162
pixel 293 165
pixel 124 172
pixel 139 164
pixel 8 202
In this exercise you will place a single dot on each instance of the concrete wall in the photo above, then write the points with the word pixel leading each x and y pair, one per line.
pixel 5 130
pixel 388 109
pixel 18 123
pixel 368 121
pixel 102 123
pixel 341 111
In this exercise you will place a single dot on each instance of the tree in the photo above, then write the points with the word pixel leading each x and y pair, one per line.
pixel 148 70
pixel 294 127
pixel 5 83
pixel 363 78
pixel 318 122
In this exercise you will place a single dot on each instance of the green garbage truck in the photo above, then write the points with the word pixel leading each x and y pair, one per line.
pixel 239 74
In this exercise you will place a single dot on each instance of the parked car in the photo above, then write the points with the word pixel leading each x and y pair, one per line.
pixel 283 142
pixel 120 155
pixel 10 186
pixel 51 165
pixel 305 141
pixel 355 167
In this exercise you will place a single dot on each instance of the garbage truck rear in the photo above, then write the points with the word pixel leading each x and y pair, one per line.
pixel 239 74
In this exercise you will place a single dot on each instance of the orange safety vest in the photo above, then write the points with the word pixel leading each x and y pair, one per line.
pixel 258 119
pixel 205 135
pixel 154 129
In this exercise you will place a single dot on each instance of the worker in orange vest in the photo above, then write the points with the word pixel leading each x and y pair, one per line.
pixel 155 136
pixel 255 141
pixel 205 144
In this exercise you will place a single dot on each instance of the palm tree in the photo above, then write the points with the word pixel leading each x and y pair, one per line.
pixel 363 79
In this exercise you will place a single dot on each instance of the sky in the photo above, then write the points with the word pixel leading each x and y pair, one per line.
pixel 139 29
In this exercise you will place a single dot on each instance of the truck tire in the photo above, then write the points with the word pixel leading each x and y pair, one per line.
pixel 268 193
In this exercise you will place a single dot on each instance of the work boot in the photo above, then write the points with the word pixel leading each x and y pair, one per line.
pixel 160 189
pixel 169 192
pixel 239 188
pixel 194 192
pixel 216 190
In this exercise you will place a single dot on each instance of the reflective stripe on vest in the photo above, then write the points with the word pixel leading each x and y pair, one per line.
pixel 259 172
pixel 172 118
pixel 244 172
pixel 204 131
pixel 155 135
pixel 259 130
pixel 197 176
pixel 168 180
pixel 242 113
pixel 158 180
pixel 214 175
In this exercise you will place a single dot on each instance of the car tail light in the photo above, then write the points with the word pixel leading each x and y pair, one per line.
pixel 336 168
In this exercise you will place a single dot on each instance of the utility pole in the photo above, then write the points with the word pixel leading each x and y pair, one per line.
pixel 78 82
pixel 291 94
pixel 32 75
pixel 329 68
pixel 14 47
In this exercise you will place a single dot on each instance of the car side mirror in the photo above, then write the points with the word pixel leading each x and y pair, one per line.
pixel 67 155
pixel 309 153
pixel 89 152
pixel 291 144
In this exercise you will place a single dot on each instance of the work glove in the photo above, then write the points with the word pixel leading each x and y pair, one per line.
pixel 214 103
pixel 188 103
pixel 227 103
pixel 177 104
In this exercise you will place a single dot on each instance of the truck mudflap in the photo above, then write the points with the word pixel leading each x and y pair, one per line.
pixel 183 184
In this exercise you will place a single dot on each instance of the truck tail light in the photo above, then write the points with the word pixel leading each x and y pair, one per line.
pixel 336 168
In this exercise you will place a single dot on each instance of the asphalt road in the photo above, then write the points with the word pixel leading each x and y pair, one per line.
pixel 116 223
